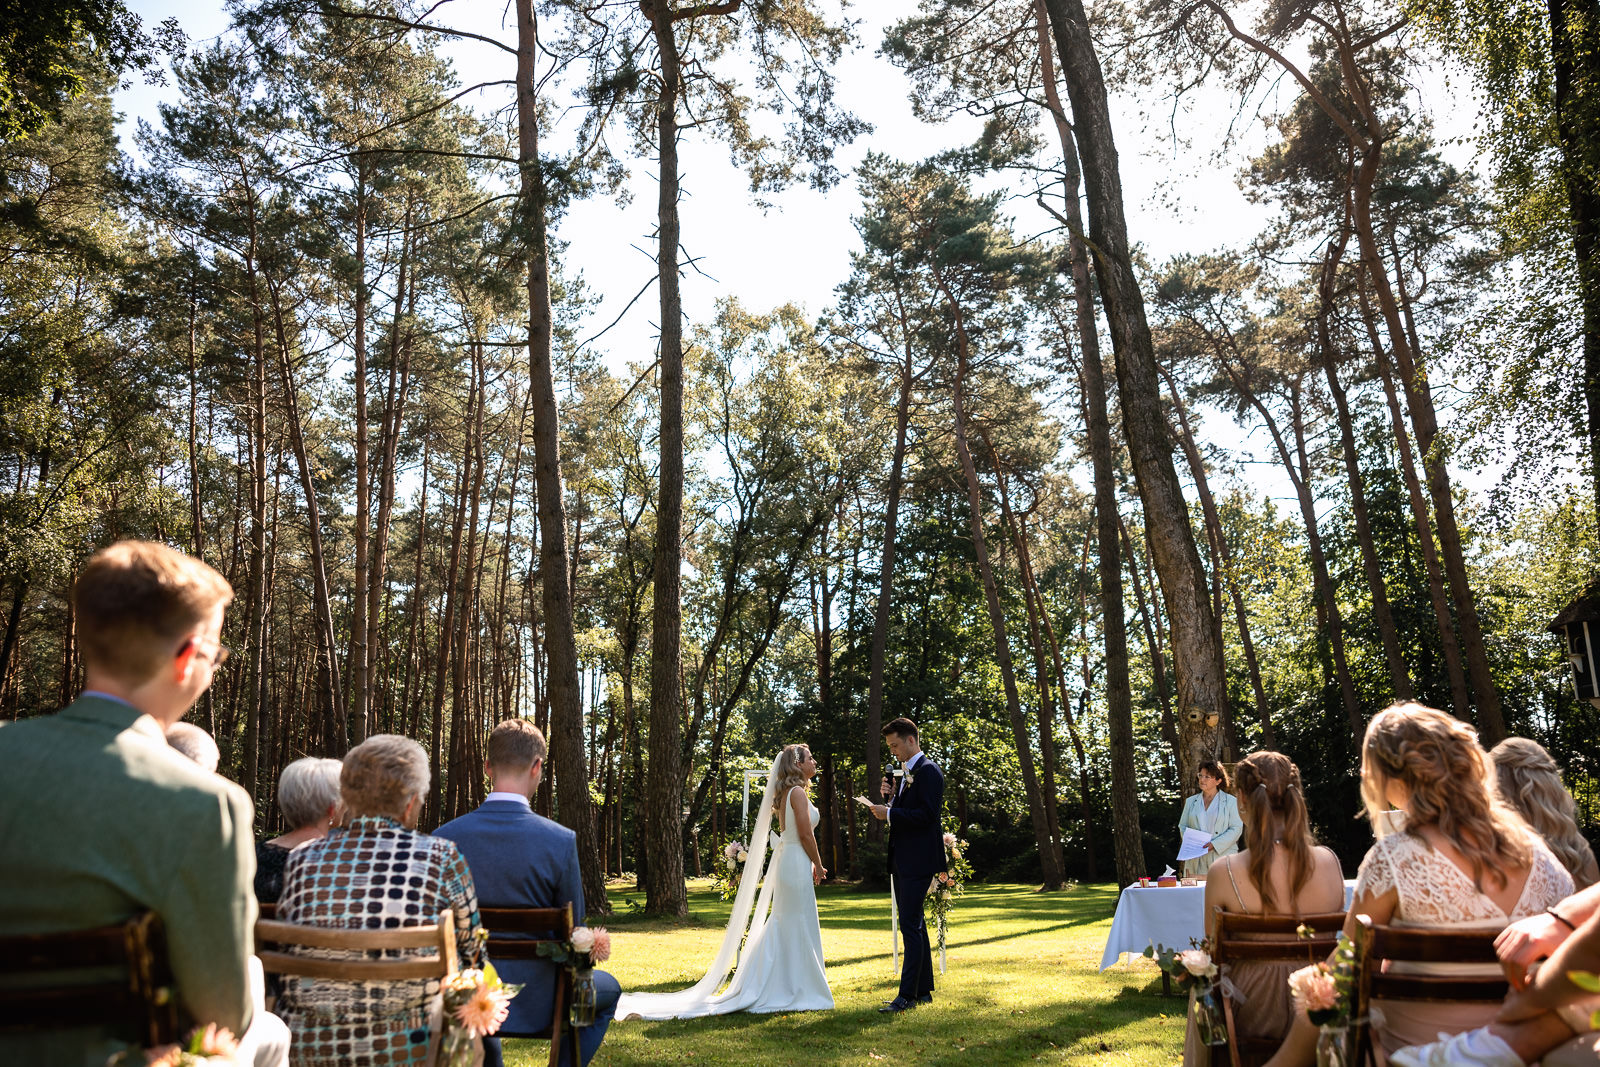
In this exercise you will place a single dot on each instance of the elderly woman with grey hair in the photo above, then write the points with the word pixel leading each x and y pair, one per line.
pixel 308 796
pixel 376 872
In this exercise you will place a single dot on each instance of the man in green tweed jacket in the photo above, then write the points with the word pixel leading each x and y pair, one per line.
pixel 100 819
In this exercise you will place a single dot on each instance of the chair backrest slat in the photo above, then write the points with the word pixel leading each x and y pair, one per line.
pixel 1273 937
pixel 440 935
pixel 141 1004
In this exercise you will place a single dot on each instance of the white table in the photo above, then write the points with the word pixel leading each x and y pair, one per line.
pixel 1169 916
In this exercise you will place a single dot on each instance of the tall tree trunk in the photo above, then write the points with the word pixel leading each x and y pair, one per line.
pixel 1048 860
pixel 1388 633
pixel 1202 689
pixel 1451 648
pixel 357 669
pixel 1224 552
pixel 885 606
pixel 566 733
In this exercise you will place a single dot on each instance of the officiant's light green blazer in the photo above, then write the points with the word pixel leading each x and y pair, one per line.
pixel 100 820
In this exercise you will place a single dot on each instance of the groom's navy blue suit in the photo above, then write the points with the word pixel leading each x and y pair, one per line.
pixel 916 854
pixel 522 860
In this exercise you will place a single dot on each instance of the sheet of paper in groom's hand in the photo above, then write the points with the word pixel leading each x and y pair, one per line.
pixel 864 802
pixel 1194 844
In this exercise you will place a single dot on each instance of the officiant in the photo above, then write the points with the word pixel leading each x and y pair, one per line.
pixel 1214 811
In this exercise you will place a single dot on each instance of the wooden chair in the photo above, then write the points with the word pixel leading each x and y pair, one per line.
pixel 1380 946
pixel 516 934
pixel 441 935
pixel 1238 936
pixel 140 1004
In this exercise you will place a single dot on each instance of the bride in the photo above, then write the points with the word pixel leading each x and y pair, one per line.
pixel 780 967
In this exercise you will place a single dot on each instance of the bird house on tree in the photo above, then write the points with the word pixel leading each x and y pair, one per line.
pixel 1579 625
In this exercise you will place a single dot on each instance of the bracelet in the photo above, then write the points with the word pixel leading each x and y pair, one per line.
pixel 1560 918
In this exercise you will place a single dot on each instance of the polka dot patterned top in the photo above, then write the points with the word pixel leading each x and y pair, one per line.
pixel 371 875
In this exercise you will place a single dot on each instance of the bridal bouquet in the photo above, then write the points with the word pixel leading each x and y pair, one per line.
pixel 216 1046
pixel 949 884
pixel 586 947
pixel 476 1003
pixel 1193 969
pixel 730 868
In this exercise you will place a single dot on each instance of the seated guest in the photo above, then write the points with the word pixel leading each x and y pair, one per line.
pixel 1281 871
pixel 1464 860
pixel 1214 811
pixel 194 743
pixel 1529 780
pixel 1541 1015
pixel 308 796
pixel 376 872
pixel 523 860
pixel 101 820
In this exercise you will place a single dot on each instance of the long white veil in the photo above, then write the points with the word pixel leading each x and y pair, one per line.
pixel 748 917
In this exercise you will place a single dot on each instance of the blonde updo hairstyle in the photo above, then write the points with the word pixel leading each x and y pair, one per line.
pixel 1529 781
pixel 788 775
pixel 1273 808
pixel 1438 759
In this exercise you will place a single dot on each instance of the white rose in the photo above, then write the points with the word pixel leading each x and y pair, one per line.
pixel 582 939
pixel 1197 961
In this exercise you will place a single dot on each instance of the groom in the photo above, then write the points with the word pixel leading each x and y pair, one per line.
pixel 916 854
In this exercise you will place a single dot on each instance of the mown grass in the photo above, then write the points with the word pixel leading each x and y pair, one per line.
pixel 1022 987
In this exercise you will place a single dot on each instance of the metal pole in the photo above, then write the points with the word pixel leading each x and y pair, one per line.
pixel 894 926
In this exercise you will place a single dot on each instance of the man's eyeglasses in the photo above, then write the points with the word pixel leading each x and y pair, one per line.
pixel 217 658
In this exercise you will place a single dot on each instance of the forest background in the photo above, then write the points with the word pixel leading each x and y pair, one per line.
pixel 354 311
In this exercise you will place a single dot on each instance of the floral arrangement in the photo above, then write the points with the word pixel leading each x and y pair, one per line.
pixel 476 1003
pixel 214 1044
pixel 1326 992
pixel 949 884
pixel 1192 969
pixel 586 947
pixel 730 868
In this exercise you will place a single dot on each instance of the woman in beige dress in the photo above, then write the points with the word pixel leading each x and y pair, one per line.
pixel 1463 860
pixel 1282 870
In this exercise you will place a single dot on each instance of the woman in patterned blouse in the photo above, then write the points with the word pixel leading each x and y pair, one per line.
pixel 376 872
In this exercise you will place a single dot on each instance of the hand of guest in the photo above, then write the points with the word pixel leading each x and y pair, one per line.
pixel 1527 941
pixel 880 812
pixel 886 788
pixel 1520 1006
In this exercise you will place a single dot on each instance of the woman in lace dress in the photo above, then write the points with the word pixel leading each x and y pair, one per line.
pixel 1282 870
pixel 780 967
pixel 1463 860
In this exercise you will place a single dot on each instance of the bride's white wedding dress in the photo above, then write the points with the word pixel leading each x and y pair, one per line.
pixel 780 967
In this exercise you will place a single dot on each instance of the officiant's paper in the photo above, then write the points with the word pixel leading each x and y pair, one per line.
pixel 1194 845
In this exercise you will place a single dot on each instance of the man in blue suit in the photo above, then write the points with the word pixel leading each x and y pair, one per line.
pixel 522 860
pixel 916 855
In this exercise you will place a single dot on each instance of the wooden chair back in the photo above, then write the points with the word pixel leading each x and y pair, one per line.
pixel 441 935
pixel 516 934
pixel 1238 936
pixel 1381 946
pixel 141 1004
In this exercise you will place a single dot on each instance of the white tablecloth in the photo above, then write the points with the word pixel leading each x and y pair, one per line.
pixel 1170 917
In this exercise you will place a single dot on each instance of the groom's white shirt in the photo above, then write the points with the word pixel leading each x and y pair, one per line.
pixel 905 769
pixel 517 798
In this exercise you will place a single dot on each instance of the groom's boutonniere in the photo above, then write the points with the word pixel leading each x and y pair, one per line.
pixel 911 779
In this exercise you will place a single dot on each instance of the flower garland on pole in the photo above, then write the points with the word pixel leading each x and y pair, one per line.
pixel 947 885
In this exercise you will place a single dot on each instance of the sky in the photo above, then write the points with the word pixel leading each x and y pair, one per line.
pixel 1179 196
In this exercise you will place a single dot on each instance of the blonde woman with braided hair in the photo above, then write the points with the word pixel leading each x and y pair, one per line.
pixel 1529 780
pixel 1280 871
pixel 1463 860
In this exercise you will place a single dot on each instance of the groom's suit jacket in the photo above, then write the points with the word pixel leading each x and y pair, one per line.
pixel 916 837
pixel 520 860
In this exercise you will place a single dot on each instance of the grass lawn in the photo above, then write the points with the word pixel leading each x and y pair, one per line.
pixel 1021 988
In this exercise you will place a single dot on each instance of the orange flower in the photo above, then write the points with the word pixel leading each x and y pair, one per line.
pixel 164 1056
pixel 217 1041
pixel 484 1011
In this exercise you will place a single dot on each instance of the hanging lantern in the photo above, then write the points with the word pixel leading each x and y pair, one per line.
pixel 1579 625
